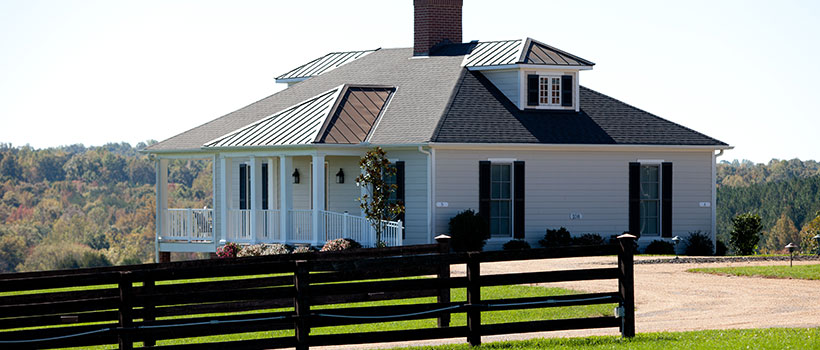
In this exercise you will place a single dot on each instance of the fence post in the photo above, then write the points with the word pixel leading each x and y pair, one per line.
pixel 473 299
pixel 126 319
pixel 443 275
pixel 626 284
pixel 301 305
pixel 148 316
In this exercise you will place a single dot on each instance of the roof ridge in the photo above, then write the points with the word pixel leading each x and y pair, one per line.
pixel 559 51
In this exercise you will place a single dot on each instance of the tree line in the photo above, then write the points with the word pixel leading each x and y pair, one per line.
pixel 77 206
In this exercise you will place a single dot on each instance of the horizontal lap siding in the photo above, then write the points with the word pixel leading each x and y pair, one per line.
pixel 301 191
pixel 594 184
pixel 415 184
pixel 506 81
pixel 343 197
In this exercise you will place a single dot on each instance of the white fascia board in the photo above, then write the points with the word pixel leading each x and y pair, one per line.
pixel 292 80
pixel 580 147
pixel 529 66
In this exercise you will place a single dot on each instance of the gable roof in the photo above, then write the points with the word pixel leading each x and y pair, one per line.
pixel 526 51
pixel 480 113
pixel 322 65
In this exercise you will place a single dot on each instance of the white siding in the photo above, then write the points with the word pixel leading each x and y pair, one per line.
pixel 507 81
pixel 415 194
pixel 343 197
pixel 592 183
pixel 301 191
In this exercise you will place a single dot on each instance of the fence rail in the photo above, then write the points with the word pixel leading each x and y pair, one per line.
pixel 157 302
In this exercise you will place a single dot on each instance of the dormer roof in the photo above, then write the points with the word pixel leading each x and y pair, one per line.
pixel 521 51
pixel 321 65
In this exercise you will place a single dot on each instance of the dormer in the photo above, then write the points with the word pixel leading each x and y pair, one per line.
pixel 531 74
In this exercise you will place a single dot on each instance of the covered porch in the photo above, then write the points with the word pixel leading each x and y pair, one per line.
pixel 271 198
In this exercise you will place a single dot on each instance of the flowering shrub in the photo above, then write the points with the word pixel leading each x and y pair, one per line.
pixel 340 244
pixel 229 250
pixel 263 249
pixel 276 249
pixel 302 249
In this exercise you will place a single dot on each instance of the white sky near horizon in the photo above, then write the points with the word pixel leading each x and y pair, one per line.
pixel 92 72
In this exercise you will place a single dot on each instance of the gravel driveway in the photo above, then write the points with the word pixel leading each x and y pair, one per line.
pixel 670 299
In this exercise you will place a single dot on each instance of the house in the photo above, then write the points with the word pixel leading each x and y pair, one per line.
pixel 502 127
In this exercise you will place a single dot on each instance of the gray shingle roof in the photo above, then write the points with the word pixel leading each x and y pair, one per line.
pixel 480 113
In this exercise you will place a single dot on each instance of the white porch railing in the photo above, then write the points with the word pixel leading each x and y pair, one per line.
pixel 301 226
pixel 189 225
pixel 343 225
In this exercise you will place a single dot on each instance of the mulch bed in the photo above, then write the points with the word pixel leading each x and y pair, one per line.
pixel 723 259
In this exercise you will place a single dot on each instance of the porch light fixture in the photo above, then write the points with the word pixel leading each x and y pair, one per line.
pixel 676 241
pixel 295 176
pixel 791 247
pixel 340 176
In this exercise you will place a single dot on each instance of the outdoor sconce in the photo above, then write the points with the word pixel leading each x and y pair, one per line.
pixel 676 240
pixel 340 176
pixel 817 239
pixel 295 176
pixel 791 247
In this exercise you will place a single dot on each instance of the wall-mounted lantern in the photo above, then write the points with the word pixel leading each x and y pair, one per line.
pixel 295 176
pixel 340 176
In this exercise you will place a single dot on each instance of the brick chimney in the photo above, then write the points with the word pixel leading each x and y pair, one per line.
pixel 435 21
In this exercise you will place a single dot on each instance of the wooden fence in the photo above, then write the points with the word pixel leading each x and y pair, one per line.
pixel 144 304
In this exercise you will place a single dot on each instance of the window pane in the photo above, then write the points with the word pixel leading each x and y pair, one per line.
pixel 649 173
pixel 504 209
pixel 496 190
pixel 501 228
pixel 649 209
pixel 505 190
pixel 496 173
pixel 649 191
pixel 649 226
pixel 505 172
pixel 494 208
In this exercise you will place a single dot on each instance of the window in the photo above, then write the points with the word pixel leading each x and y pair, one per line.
pixel 650 200
pixel 549 90
pixel 500 200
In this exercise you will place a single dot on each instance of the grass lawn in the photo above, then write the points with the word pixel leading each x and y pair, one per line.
pixel 806 272
pixel 770 338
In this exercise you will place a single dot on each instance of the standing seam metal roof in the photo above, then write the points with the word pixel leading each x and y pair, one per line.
pixel 528 51
pixel 323 64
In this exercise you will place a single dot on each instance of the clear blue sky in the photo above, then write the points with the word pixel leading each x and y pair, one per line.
pixel 91 72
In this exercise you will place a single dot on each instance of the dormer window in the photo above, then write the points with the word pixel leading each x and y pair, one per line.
pixel 547 90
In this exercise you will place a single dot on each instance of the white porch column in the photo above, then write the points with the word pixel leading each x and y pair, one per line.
pixel 317 176
pixel 223 207
pixel 161 202
pixel 254 199
pixel 269 229
pixel 285 197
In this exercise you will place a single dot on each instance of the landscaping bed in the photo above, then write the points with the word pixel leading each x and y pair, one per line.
pixel 722 259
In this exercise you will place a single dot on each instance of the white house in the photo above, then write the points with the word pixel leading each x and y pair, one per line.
pixel 502 127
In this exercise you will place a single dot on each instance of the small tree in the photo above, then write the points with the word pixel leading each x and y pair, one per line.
pixel 376 202
pixel 745 233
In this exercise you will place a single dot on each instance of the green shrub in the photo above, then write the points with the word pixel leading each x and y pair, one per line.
pixel 516 244
pixel 87 259
pixel 745 233
pixel 556 238
pixel 468 231
pixel 660 247
pixel 720 248
pixel 588 239
pixel 699 243
pixel 132 260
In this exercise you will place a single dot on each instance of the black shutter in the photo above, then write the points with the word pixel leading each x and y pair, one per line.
pixel 635 199
pixel 484 190
pixel 666 199
pixel 518 200
pixel 566 90
pixel 243 186
pixel 532 90
pixel 264 186
pixel 400 191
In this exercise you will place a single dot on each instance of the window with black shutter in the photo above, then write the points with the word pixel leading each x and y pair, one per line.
pixel 550 90
pixel 650 199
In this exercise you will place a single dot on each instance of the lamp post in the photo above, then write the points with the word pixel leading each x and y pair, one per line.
pixel 817 240
pixel 676 241
pixel 791 247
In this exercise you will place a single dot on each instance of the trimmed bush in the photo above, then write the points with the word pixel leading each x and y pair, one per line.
pixel 745 233
pixel 340 244
pixel 660 247
pixel 229 250
pixel 468 231
pixel 720 248
pixel 516 244
pixel 87 259
pixel 588 239
pixel 556 238
pixel 303 249
pixel 699 243
pixel 263 249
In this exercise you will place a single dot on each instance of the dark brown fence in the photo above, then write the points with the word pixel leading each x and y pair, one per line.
pixel 144 304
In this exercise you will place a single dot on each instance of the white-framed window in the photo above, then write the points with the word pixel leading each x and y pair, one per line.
pixel 549 90
pixel 501 200
pixel 650 199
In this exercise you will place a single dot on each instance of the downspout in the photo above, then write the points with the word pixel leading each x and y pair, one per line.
pixel 714 198
pixel 430 201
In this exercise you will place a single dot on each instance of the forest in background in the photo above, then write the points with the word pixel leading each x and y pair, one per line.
pixel 77 206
